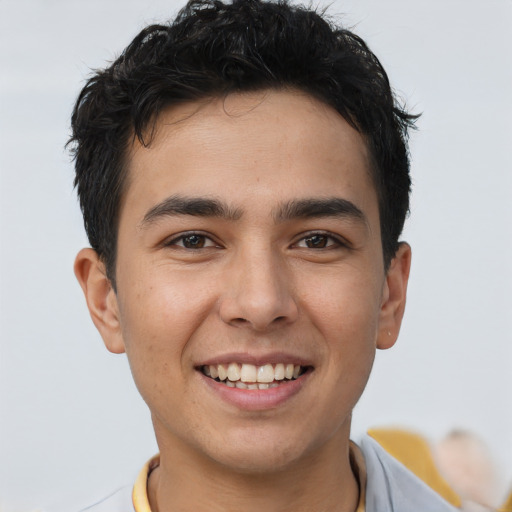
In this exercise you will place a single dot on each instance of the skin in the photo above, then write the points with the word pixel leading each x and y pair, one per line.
pixel 255 283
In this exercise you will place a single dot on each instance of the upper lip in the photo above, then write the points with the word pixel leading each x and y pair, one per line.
pixel 255 359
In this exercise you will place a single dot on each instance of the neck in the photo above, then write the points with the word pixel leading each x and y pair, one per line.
pixel 187 481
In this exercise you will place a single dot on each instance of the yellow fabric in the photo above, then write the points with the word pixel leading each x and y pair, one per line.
pixel 413 452
pixel 507 506
pixel 140 489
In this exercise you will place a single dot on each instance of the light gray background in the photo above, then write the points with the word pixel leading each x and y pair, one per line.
pixel 72 424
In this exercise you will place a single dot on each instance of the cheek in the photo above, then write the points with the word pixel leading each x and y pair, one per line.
pixel 344 304
pixel 160 314
pixel 345 310
pixel 160 302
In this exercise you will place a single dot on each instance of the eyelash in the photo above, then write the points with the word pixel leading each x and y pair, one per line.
pixel 338 242
pixel 180 240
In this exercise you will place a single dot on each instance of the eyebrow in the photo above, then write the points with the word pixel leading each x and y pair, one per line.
pixel 195 206
pixel 320 207
pixel 300 208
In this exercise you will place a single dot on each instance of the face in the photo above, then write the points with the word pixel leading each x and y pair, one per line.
pixel 249 246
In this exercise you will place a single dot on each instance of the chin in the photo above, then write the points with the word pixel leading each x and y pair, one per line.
pixel 258 461
pixel 250 452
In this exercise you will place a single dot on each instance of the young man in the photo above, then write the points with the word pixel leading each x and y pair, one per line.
pixel 244 180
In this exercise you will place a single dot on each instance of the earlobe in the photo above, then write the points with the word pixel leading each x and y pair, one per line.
pixel 394 297
pixel 100 297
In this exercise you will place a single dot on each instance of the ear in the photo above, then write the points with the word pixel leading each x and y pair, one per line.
pixel 393 297
pixel 101 298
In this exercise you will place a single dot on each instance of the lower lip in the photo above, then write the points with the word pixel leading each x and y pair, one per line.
pixel 257 399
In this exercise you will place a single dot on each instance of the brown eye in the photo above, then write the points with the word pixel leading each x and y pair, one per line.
pixel 194 241
pixel 320 240
pixel 316 241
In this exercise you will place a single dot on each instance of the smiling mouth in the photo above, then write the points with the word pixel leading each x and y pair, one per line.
pixel 249 376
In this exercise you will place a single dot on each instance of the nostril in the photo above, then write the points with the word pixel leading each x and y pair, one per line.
pixel 240 320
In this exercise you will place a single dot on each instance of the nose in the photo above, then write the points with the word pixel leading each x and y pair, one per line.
pixel 258 292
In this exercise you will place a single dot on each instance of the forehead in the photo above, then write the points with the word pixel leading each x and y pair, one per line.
pixel 276 146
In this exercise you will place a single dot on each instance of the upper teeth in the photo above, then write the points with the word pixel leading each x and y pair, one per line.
pixel 251 373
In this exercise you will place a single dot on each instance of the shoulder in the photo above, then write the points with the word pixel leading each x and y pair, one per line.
pixel 390 486
pixel 118 501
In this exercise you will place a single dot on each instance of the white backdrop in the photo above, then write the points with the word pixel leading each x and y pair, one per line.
pixel 72 424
